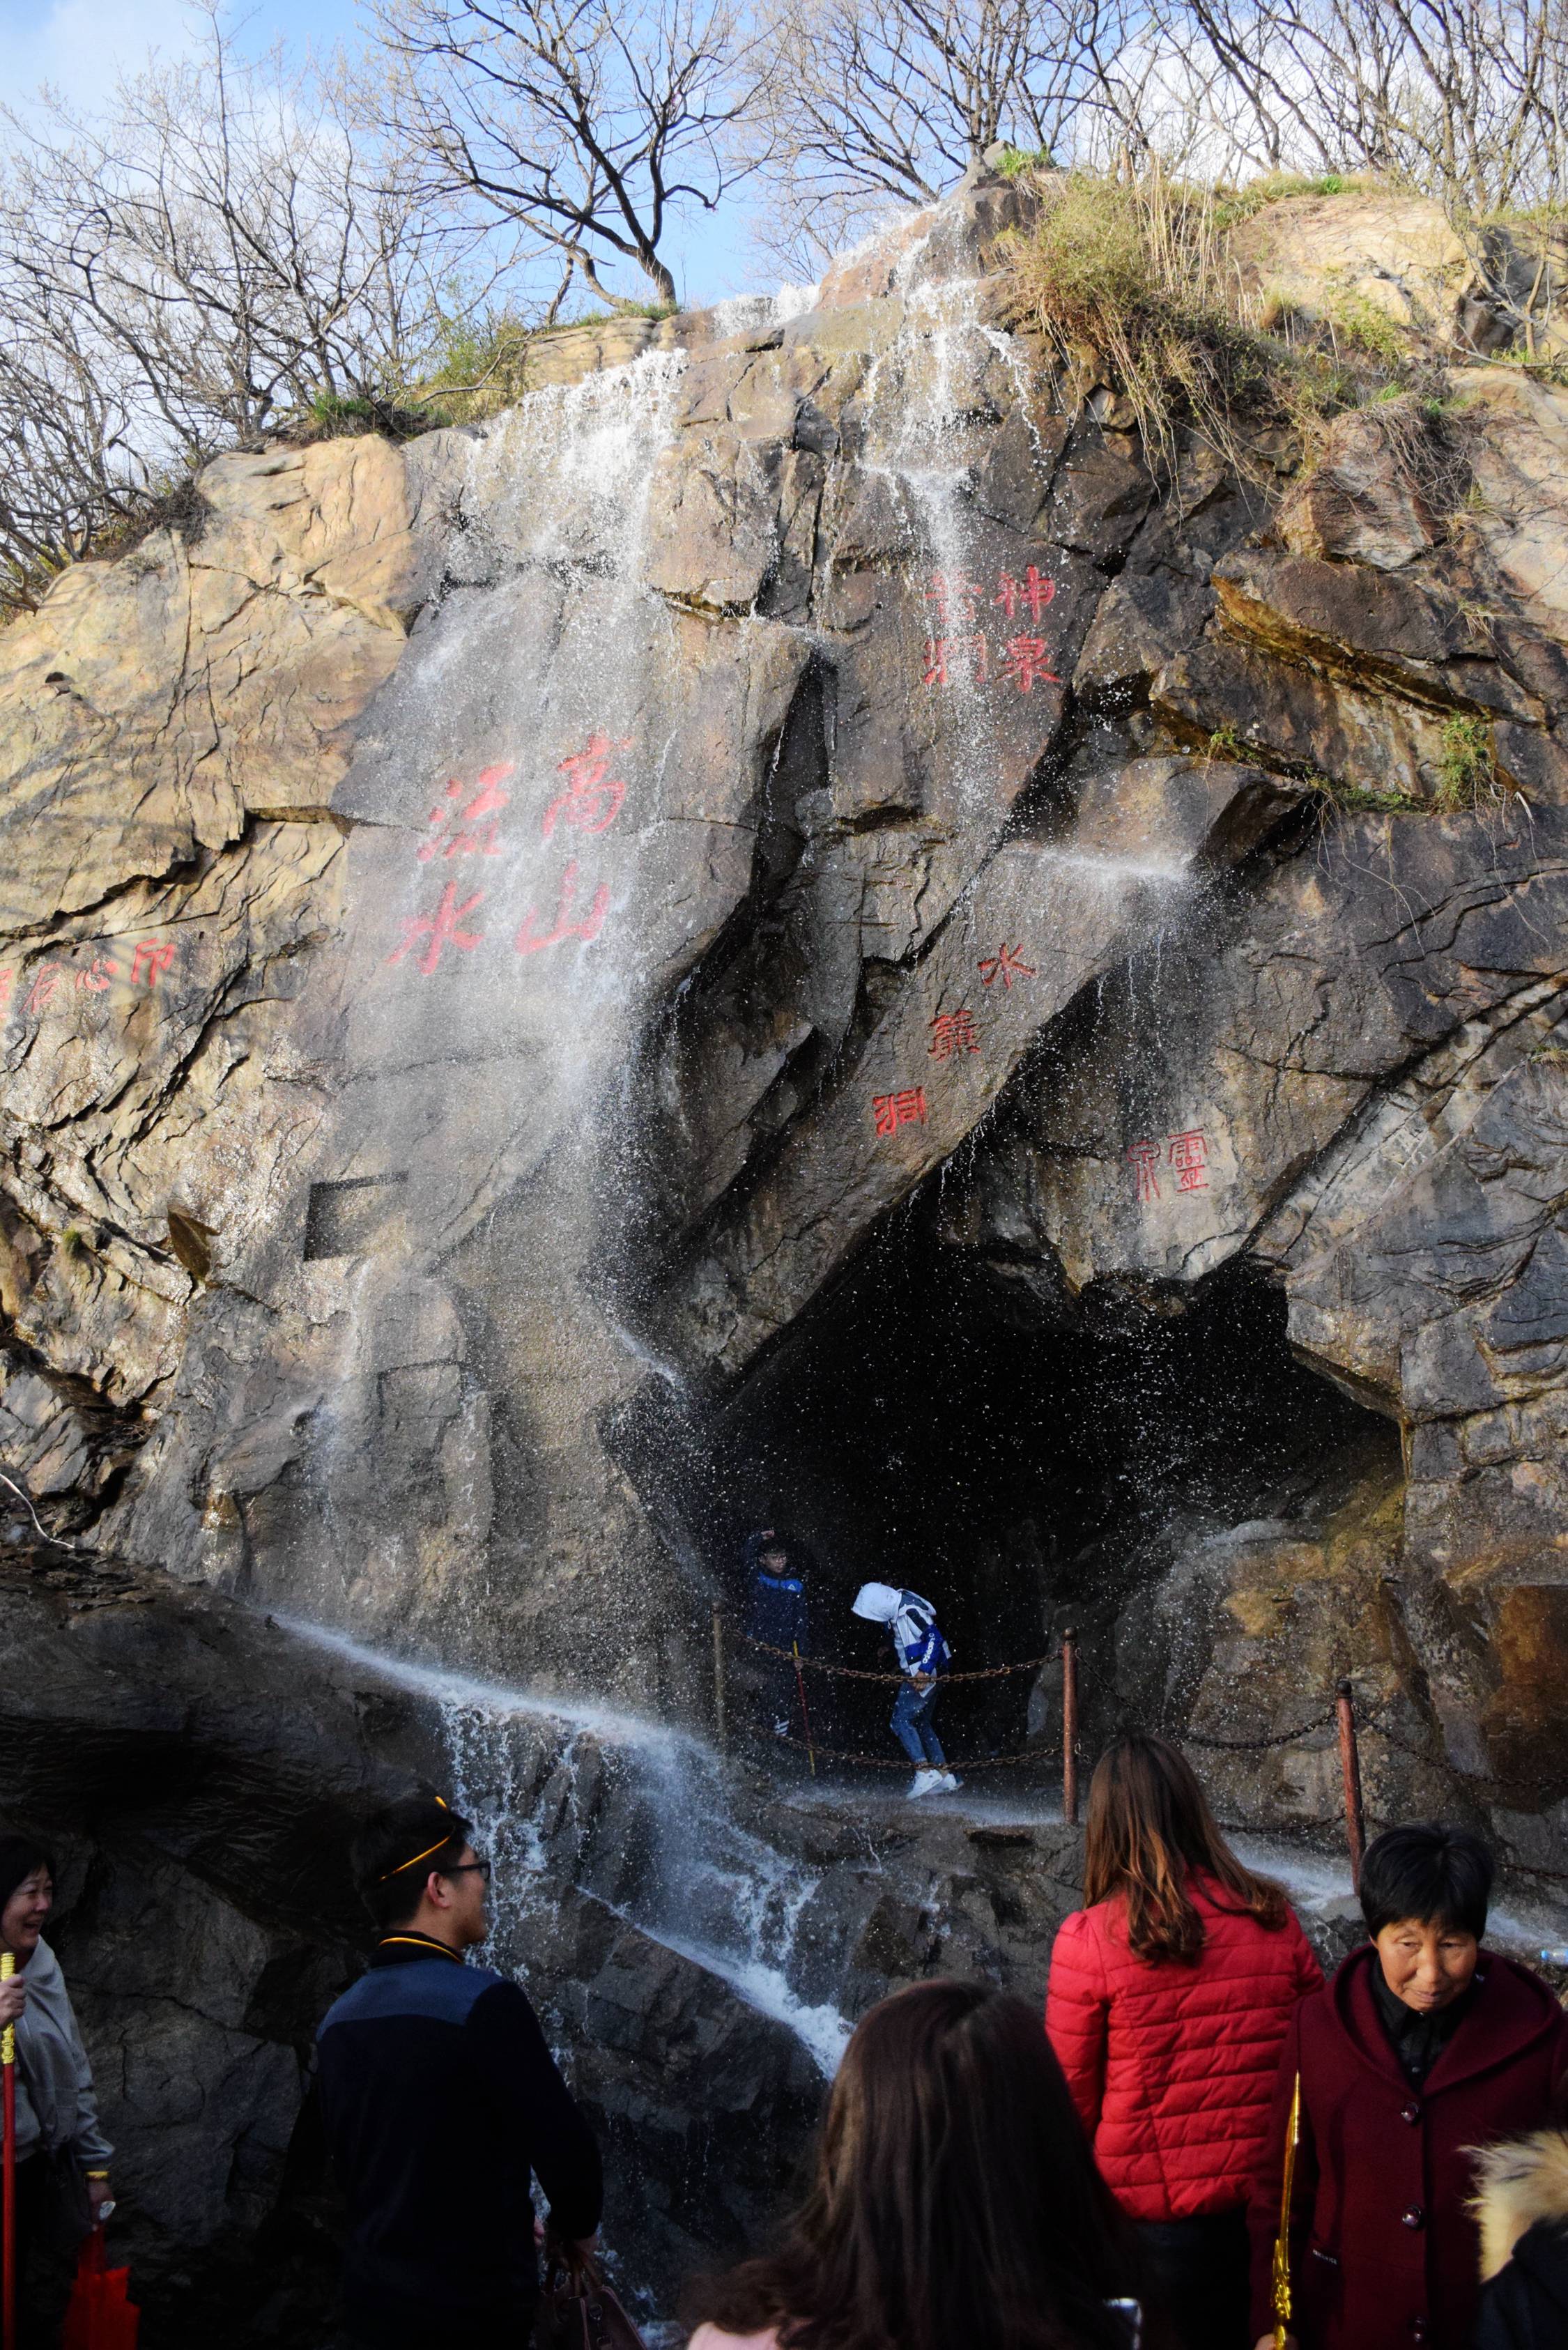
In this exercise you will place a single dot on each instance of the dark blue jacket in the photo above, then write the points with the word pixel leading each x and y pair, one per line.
pixel 440 2097
pixel 775 1604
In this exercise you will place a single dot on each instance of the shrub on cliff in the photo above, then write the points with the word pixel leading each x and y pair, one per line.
pixel 1126 279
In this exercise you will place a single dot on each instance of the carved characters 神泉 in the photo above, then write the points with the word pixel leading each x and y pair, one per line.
pixel 959 651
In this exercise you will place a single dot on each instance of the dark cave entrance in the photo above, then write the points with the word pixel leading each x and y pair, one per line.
pixel 931 1424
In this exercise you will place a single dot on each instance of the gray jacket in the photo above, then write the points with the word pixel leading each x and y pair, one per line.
pixel 56 2108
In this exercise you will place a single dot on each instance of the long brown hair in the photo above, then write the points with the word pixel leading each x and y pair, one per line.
pixel 1150 1827
pixel 955 2199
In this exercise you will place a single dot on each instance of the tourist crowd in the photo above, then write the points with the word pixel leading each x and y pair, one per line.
pixel 1202 2127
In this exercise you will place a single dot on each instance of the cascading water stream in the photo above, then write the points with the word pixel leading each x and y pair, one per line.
pixel 531 1772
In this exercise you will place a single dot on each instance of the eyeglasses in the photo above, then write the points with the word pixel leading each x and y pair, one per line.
pixel 467 1868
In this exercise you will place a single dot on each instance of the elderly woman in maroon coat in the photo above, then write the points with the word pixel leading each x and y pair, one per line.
pixel 1423 2048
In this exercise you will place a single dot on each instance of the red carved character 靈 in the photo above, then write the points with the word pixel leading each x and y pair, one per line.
pixel 1189 1154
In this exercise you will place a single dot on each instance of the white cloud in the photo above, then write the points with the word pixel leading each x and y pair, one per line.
pixel 79 47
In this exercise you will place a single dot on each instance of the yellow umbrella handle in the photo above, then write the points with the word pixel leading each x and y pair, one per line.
pixel 8 2037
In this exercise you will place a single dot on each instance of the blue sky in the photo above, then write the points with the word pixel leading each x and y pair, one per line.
pixel 79 45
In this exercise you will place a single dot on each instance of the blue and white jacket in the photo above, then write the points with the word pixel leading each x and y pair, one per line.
pixel 918 1636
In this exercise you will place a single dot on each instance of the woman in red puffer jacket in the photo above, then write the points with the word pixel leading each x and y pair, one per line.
pixel 1170 1996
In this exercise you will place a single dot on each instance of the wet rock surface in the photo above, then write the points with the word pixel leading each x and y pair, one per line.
pixel 793 928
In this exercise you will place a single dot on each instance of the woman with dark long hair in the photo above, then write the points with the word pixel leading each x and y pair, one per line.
pixel 1171 1991
pixel 955 2205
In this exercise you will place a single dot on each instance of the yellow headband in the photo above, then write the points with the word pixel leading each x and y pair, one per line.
pixel 419 1855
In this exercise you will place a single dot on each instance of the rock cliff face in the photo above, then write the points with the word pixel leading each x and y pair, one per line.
pixel 801 927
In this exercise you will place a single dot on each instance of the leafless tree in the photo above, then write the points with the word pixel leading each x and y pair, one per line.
pixel 1462 99
pixel 216 249
pixel 872 100
pixel 589 124
pixel 68 464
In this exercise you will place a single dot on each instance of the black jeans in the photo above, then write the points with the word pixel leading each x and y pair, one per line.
pixel 1201 2273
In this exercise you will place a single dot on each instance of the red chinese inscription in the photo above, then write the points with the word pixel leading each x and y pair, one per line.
pixel 1145 1159
pixel 959 651
pixel 592 799
pixel 471 832
pixel 1189 1154
pixel 954 1032
pixel 47 979
pixel 1006 964
pixel 891 1111
pixel 1025 664
pixel 442 929
pixel 150 960
pixel 1030 594
pixel 529 942
pixel 962 654
pixel 98 975
pixel 954 598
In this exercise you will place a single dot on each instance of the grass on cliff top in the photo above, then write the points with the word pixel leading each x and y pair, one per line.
pixel 1132 282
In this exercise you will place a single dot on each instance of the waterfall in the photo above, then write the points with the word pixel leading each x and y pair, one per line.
pixel 551 1785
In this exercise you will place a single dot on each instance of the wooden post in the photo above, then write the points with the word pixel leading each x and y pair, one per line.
pixel 720 1727
pixel 1069 1727
pixel 1350 1771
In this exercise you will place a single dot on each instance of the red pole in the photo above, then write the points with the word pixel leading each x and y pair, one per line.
pixel 805 1715
pixel 1069 1727
pixel 8 2198
pixel 1350 1771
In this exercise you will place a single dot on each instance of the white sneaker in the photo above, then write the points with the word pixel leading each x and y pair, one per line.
pixel 924 1783
pixel 951 1784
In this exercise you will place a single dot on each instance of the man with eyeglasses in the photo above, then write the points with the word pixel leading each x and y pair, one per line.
pixel 441 2101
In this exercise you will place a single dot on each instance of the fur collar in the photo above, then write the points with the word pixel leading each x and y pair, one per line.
pixel 1518 2183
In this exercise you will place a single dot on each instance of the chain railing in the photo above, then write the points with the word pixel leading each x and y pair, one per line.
pixel 1340 1716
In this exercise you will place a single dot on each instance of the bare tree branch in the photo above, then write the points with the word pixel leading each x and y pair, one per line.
pixel 588 124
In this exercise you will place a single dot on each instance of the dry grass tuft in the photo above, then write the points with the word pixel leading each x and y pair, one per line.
pixel 1131 282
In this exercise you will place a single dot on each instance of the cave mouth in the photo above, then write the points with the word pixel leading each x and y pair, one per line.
pixel 932 1423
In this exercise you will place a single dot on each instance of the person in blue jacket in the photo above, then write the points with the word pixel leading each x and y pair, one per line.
pixel 777 1615
pixel 923 1656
